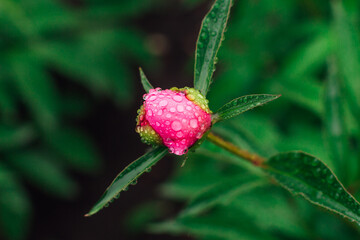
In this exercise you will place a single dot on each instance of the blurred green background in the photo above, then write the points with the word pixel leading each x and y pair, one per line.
pixel 69 91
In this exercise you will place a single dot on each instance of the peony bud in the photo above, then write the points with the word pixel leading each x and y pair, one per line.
pixel 174 117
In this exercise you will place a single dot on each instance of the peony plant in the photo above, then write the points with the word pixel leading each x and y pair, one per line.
pixel 177 120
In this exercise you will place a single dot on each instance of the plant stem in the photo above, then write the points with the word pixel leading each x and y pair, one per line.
pixel 251 157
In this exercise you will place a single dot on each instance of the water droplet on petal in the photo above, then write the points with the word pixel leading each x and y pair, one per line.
pixel 193 123
pixel 177 98
pixel 152 98
pixel 172 109
pixel 179 134
pixel 160 112
pixel 188 108
pixel 167 122
pixel 176 126
pixel 180 108
pixel 163 103
pixel 168 115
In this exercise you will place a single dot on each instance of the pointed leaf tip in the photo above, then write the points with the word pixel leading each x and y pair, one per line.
pixel 128 176
pixel 242 104
pixel 144 81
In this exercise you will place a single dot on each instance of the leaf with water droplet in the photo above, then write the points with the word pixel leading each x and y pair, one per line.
pixel 208 44
pixel 317 184
pixel 128 176
pixel 144 81
pixel 242 104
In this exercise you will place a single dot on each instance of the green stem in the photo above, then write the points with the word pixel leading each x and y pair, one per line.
pixel 251 157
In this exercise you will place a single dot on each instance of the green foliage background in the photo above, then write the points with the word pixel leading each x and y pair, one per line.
pixel 306 50
pixel 54 54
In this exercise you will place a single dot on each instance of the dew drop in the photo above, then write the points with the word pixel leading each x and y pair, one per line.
pixel 168 115
pixel 150 113
pixel 157 124
pixel 163 103
pixel 152 98
pixel 172 109
pixel 177 98
pixel 193 123
pixel 203 35
pixel 179 134
pixel 191 97
pixel 188 108
pixel 330 179
pixel 180 108
pixel 167 122
pixel 160 112
pixel 176 126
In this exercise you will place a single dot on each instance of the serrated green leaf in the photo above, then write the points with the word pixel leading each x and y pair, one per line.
pixel 223 192
pixel 335 130
pixel 242 104
pixel 144 81
pixel 129 175
pixel 15 209
pixel 303 174
pixel 75 148
pixel 208 44
pixel 40 170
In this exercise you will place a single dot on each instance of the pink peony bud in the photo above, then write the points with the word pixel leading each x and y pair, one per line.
pixel 176 118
